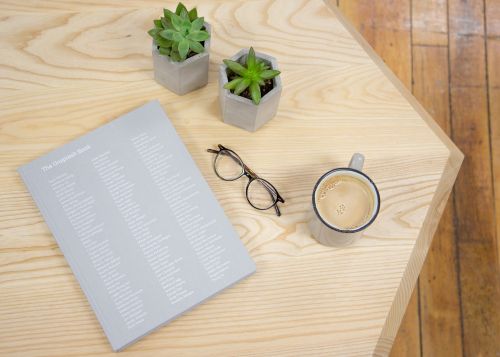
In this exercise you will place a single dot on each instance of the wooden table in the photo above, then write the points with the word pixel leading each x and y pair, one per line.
pixel 66 68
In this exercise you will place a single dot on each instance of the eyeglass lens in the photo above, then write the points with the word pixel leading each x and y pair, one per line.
pixel 228 165
pixel 260 194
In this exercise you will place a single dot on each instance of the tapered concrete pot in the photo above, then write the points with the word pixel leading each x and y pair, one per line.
pixel 182 77
pixel 242 112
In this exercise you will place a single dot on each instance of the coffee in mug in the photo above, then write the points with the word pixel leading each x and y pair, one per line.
pixel 345 202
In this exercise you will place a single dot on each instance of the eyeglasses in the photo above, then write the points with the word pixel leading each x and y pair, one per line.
pixel 260 193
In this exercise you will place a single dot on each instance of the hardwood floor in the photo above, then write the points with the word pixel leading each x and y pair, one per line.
pixel 448 53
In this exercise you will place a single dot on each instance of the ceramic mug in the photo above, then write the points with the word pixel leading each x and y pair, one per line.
pixel 328 234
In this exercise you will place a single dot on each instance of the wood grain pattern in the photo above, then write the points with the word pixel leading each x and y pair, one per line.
pixel 429 23
pixel 13 7
pixel 450 173
pixel 385 25
pixel 305 299
pixel 474 199
pixel 390 37
pixel 407 341
pixel 492 12
pixel 438 282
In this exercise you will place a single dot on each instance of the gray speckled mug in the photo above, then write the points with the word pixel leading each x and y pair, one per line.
pixel 326 232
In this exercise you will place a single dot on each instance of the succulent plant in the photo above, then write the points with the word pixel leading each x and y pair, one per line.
pixel 179 34
pixel 252 76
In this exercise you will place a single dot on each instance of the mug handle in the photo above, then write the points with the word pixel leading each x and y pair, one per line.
pixel 357 161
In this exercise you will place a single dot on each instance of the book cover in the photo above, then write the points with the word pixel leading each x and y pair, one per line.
pixel 137 223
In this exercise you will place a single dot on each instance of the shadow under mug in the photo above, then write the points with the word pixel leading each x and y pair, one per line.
pixel 328 234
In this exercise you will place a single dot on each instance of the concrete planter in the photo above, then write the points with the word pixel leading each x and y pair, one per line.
pixel 242 112
pixel 182 77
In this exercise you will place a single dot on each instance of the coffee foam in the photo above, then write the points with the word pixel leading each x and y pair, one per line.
pixel 345 201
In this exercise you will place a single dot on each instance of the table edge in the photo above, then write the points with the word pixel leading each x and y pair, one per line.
pixel 436 208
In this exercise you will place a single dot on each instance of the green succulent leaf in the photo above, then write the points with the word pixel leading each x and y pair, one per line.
pixel 158 24
pixel 251 75
pixel 168 34
pixel 178 37
pixel 166 23
pixel 197 24
pixel 193 14
pixel 164 51
pixel 172 35
pixel 255 92
pixel 232 85
pixel 269 74
pixel 235 67
pixel 183 48
pixel 153 32
pixel 186 26
pixel 160 41
pixel 184 14
pixel 198 36
pixel 177 22
pixel 180 32
pixel 251 61
pixel 261 65
pixel 196 46
pixel 174 55
pixel 180 7
pixel 242 86
pixel 167 13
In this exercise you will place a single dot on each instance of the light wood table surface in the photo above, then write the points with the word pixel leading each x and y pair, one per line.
pixel 67 68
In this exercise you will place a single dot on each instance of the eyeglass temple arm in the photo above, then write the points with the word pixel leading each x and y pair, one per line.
pixel 220 146
pixel 279 198
pixel 278 212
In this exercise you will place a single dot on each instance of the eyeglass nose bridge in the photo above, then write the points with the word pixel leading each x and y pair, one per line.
pixel 248 172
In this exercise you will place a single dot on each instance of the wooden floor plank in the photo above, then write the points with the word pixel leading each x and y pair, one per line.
pixel 438 282
pixel 429 22
pixel 474 201
pixel 407 342
pixel 492 11
pixel 493 51
pixel 386 26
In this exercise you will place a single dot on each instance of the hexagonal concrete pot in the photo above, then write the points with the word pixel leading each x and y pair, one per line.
pixel 242 112
pixel 182 77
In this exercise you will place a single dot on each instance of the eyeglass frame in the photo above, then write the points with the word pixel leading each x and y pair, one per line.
pixel 252 176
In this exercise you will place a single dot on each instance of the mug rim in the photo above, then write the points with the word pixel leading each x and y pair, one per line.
pixel 374 216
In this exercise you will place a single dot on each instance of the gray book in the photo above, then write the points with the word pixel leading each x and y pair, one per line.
pixel 137 223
